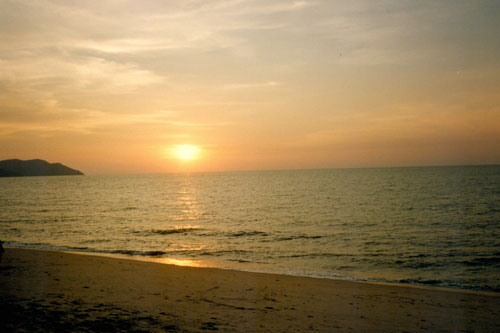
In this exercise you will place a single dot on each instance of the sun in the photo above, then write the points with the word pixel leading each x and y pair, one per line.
pixel 185 152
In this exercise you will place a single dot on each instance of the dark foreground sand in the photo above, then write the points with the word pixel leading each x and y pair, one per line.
pixel 52 291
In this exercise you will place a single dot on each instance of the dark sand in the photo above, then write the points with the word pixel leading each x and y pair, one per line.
pixel 52 291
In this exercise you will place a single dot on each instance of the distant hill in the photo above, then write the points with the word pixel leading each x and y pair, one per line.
pixel 18 168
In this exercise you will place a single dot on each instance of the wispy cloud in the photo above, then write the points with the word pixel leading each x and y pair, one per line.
pixel 267 84
pixel 87 74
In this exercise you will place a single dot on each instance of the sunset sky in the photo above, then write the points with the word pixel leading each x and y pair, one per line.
pixel 166 86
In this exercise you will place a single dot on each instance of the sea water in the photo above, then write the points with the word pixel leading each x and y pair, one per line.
pixel 428 225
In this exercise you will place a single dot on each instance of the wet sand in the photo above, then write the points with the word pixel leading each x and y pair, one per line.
pixel 55 291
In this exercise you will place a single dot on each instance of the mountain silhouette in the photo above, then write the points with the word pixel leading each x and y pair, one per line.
pixel 19 168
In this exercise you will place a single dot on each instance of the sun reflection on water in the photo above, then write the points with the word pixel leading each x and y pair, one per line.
pixel 180 262
pixel 188 207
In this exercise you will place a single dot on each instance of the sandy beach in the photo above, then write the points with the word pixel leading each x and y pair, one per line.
pixel 55 291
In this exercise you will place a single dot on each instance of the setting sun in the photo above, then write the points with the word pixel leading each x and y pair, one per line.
pixel 185 152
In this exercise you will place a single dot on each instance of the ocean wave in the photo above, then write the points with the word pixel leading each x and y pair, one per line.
pixel 447 283
pixel 128 252
pixel 46 246
pixel 248 233
pixel 419 265
pixel 477 285
pixel 179 230
pixel 155 253
pixel 78 248
pixel 316 255
pixel 289 238
pixel 473 262
pixel 483 261
pixel 96 241
pixel 239 260
pixel 423 281
pixel 138 253
pixel 224 252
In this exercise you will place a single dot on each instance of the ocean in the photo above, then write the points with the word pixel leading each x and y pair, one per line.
pixel 436 226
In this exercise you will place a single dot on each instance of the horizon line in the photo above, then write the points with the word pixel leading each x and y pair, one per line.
pixel 295 169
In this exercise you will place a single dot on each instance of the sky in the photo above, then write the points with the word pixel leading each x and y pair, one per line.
pixel 170 86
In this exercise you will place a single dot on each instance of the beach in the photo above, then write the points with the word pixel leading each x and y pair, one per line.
pixel 57 291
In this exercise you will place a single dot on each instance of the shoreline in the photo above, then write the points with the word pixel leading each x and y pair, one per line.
pixel 184 263
pixel 215 265
pixel 66 291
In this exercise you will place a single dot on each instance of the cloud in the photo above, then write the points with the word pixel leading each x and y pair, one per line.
pixel 267 84
pixel 44 77
pixel 163 118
